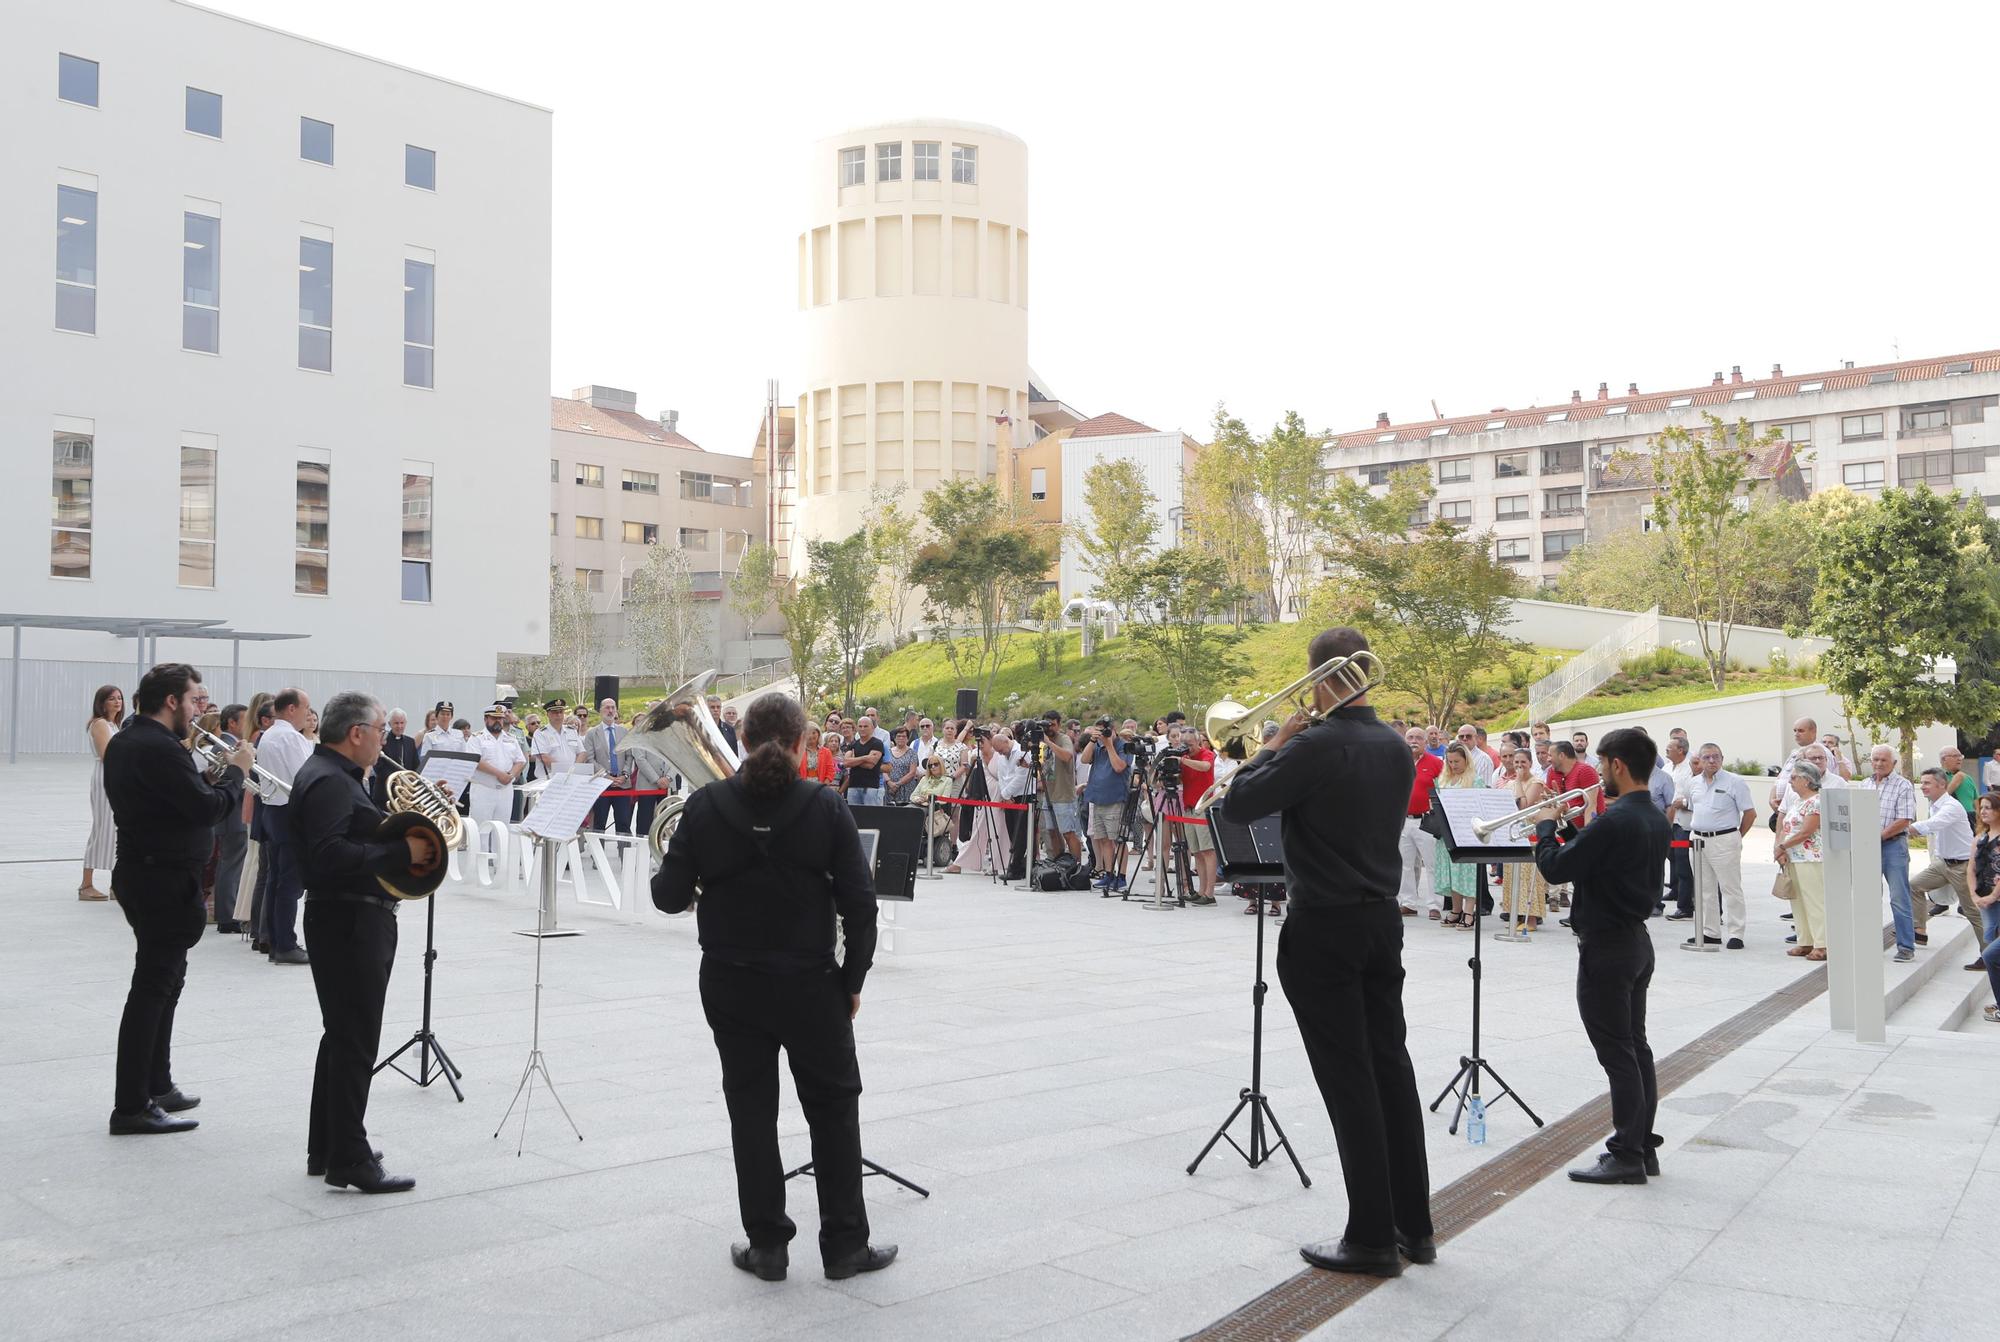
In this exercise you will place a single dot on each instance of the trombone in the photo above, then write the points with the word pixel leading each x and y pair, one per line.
pixel 1228 722
pixel 214 754
pixel 1520 824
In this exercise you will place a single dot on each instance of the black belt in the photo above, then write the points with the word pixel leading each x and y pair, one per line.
pixel 388 902
pixel 1711 833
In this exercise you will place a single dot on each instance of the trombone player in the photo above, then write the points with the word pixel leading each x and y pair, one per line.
pixel 1340 778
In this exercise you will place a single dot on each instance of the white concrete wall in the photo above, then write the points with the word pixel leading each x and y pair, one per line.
pixel 1554 624
pixel 1160 457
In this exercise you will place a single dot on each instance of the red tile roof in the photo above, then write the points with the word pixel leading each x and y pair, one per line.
pixel 1722 393
pixel 1100 426
pixel 583 417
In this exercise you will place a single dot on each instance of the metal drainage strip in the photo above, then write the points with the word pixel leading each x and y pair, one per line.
pixel 1299 1304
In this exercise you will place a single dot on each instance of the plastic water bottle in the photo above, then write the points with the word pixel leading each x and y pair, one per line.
pixel 1475 1123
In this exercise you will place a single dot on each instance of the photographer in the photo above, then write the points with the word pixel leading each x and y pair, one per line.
pixel 1110 760
pixel 1059 788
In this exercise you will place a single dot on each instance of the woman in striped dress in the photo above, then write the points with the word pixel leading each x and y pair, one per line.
pixel 106 711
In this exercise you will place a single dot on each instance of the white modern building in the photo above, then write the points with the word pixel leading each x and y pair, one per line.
pixel 1163 460
pixel 277 333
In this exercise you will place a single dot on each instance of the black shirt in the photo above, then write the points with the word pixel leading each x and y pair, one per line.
pixel 1343 785
pixel 1613 863
pixel 399 751
pixel 333 822
pixel 861 773
pixel 165 809
pixel 773 910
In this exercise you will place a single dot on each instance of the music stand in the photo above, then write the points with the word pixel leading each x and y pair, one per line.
pixel 1463 808
pixel 424 1041
pixel 1252 855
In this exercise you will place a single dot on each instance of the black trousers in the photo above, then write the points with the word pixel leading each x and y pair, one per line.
pixel 753 1015
pixel 281 895
pixel 164 908
pixel 353 949
pixel 1680 864
pixel 1613 972
pixel 643 813
pixel 618 809
pixel 1342 971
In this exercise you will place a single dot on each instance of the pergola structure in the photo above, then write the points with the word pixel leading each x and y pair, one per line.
pixel 144 631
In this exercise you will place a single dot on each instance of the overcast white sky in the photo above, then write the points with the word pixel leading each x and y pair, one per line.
pixel 1334 208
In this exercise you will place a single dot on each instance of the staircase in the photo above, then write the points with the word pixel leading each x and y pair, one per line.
pixel 1936 992
pixel 1599 662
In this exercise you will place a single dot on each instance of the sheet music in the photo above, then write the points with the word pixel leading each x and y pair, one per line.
pixel 564 805
pixel 1464 807
pixel 455 767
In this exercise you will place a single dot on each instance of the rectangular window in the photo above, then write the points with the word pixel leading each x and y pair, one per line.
pixel 1855 428
pixel 1420 516
pixel 640 482
pixel 76 80
pixel 316 141
pixel 589 528
pixel 1800 432
pixel 201 283
pixel 311 528
pixel 1861 475
pixel 76 260
pixel 316 304
pixel 854 167
pixel 1510 465
pixel 1562 460
pixel 1513 551
pixel 589 476
pixel 197 554
pixel 1926 419
pixel 1970 412
pixel 1558 544
pixel 552 523
pixel 69 549
pixel 1511 508
pixel 418 495
pixel 924 167
pixel 642 533
pixel 705 488
pixel 555 470
pixel 1562 502
pixel 1455 470
pixel 889 162
pixel 204 113
pixel 420 167
pixel 693 538
pixel 590 579
pixel 965 164
pixel 1456 511
pixel 1038 483
pixel 419 323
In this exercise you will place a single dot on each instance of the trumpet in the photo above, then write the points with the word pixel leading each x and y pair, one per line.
pixel 1521 820
pixel 1228 722
pixel 213 752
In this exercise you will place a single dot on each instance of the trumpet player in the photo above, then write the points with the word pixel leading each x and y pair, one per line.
pixel 166 811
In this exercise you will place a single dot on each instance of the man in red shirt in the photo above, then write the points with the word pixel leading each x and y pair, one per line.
pixel 1197 776
pixel 1567 773
pixel 1419 848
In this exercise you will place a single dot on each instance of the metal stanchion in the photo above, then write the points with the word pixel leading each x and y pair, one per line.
pixel 926 873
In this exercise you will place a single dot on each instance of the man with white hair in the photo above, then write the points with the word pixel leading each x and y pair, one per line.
pixel 1719 812
pixel 1949 833
pixel 400 750
pixel 1899 809
pixel 1482 763
pixel 601 748
pixel 1419 887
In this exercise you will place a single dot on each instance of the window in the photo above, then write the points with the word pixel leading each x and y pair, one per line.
pixel 1854 428
pixel 1937 468
pixel 853 167
pixel 197 515
pixel 925 165
pixel 204 113
pixel 1562 460
pixel 1926 419
pixel 590 579
pixel 201 283
pixel 1801 432
pixel 1457 511
pixel 1970 412
pixel 642 533
pixel 311 526
pixel 965 164
pixel 419 323
pixel 69 547
pixel 1561 502
pixel 628 586
pixel 316 304
pixel 705 488
pixel 420 167
pixel 1510 465
pixel 693 538
pixel 76 260
pixel 889 162
pixel 76 81
pixel 1862 475
pixel 418 494
pixel 1038 483
pixel 640 482
pixel 1513 551
pixel 316 141
pixel 1512 508
pixel 589 476
pixel 1558 544
pixel 555 470
pixel 552 524
pixel 1457 469
pixel 1420 516
pixel 589 528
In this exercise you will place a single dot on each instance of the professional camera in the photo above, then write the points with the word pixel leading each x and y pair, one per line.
pixel 1032 732
pixel 1167 768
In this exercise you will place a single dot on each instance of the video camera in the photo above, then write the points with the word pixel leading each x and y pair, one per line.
pixel 1167 768
pixel 1031 732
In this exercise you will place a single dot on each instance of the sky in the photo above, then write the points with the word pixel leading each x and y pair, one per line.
pixel 1329 208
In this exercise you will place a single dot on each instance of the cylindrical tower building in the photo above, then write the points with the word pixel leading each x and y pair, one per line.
pixel 913 294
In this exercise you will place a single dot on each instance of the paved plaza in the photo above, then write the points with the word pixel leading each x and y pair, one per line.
pixel 1046 1064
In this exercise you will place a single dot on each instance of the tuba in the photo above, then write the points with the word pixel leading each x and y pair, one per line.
pixel 1229 722
pixel 679 730
pixel 415 804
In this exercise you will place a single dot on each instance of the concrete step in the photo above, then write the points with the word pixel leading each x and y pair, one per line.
pixel 1935 992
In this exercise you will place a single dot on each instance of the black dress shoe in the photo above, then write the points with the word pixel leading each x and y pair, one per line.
pixel 1939 910
pixel 769 1264
pixel 1341 1256
pixel 1423 1249
pixel 1653 1145
pixel 1611 1169
pixel 261 947
pixel 1704 941
pixel 152 1119
pixel 1678 917
pixel 229 929
pixel 370 1178
pixel 869 1258
pixel 315 1168
pixel 1733 944
pixel 176 1100
pixel 294 956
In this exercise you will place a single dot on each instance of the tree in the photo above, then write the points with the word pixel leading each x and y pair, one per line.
pixel 893 542
pixel 1222 517
pixel 574 641
pixel 845 575
pixel 667 626
pixel 1904 584
pixel 1435 604
pixel 1047 612
pixel 1633 570
pixel 1122 526
pixel 803 609
pixel 979 569
pixel 1290 483
pixel 752 586
pixel 1176 592
pixel 1702 480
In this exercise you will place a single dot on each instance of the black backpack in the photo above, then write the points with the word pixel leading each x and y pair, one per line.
pixel 1053 873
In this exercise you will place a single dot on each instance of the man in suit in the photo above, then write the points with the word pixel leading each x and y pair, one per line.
pixel 399 751
pixel 728 727
pixel 600 747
